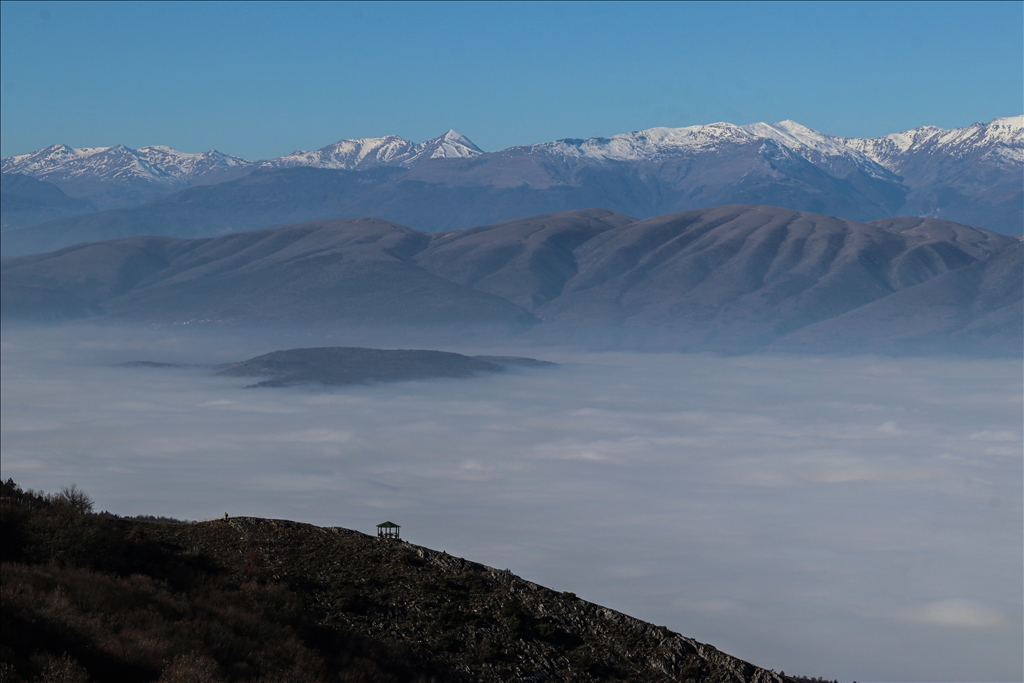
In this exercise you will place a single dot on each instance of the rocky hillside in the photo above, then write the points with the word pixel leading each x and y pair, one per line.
pixel 98 597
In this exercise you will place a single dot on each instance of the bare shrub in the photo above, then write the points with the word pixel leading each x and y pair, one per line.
pixel 190 668
pixel 62 669
pixel 8 674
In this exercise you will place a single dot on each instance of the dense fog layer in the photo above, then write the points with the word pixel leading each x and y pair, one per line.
pixel 854 518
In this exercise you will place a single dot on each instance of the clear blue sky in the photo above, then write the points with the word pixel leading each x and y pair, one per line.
pixel 260 80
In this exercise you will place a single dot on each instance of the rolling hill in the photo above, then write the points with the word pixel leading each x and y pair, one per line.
pixel 729 278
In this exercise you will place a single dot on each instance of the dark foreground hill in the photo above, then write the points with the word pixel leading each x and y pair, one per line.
pixel 90 597
pixel 730 278
pixel 339 366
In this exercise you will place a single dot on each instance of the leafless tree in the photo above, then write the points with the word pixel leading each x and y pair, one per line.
pixel 74 497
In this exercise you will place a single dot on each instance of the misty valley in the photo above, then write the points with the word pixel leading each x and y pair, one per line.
pixel 715 495
pixel 714 403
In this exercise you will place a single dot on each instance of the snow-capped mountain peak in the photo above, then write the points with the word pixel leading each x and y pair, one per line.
pixel 1001 140
pixel 156 164
pixel 390 150
pixel 796 136
pixel 451 145
pixel 653 144
pixel 348 154
pixel 646 144
pixel 160 166
pixel 48 159
pixel 1007 128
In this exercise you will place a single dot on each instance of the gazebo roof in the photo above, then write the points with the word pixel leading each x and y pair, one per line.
pixel 388 525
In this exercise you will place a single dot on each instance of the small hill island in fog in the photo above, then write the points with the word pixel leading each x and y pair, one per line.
pixel 337 366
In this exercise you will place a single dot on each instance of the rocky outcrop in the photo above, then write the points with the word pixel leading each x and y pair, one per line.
pixel 487 624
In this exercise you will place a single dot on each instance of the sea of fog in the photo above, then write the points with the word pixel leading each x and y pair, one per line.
pixel 856 518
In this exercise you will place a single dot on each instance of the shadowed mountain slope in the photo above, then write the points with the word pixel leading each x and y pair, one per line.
pixel 730 278
pixel 24 201
pixel 262 199
pixel 976 242
pixel 527 261
pixel 976 308
pixel 742 275
pixel 357 272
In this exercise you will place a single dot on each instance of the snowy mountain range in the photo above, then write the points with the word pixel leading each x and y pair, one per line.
pixel 157 171
pixel 61 164
pixel 972 175
pixel 1000 140
pixel 389 150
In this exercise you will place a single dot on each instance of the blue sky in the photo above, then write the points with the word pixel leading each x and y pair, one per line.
pixel 260 80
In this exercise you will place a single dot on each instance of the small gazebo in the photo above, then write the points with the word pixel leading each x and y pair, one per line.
pixel 387 530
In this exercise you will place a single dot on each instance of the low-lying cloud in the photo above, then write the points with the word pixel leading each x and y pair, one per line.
pixel 822 515
pixel 958 613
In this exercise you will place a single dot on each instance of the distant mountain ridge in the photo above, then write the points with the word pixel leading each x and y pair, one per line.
pixel 157 171
pixel 113 177
pixel 26 199
pixel 390 150
pixel 730 278
pixel 1001 138
pixel 972 175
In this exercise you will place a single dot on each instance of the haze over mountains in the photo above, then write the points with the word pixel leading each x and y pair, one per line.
pixel 970 175
pixel 729 278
